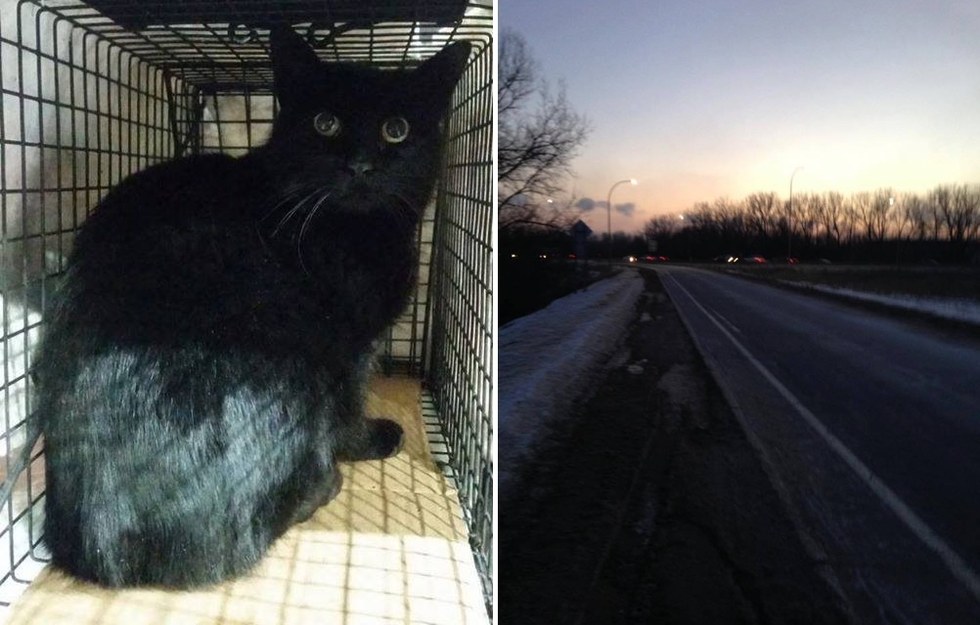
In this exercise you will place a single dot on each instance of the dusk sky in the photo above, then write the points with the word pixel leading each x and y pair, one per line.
pixel 699 100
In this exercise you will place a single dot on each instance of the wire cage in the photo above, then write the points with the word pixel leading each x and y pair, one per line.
pixel 92 92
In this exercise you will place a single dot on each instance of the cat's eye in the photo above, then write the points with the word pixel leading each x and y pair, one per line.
pixel 327 124
pixel 394 129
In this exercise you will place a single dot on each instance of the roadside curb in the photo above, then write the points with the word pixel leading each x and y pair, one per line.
pixel 534 396
pixel 899 312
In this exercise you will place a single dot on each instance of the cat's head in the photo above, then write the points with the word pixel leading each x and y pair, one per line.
pixel 367 137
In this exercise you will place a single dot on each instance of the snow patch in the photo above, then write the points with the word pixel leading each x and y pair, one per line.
pixel 958 309
pixel 545 359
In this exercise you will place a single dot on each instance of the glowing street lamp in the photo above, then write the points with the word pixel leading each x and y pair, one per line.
pixel 631 181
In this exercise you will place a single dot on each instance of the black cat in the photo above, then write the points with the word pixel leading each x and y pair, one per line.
pixel 203 364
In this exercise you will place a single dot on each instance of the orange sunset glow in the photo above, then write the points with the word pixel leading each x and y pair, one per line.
pixel 726 99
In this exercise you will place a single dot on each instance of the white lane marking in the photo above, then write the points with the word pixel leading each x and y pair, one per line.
pixel 956 565
pixel 724 320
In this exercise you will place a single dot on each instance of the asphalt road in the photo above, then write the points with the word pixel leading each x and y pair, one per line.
pixel 870 430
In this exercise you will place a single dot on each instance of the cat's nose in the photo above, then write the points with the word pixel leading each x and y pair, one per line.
pixel 359 167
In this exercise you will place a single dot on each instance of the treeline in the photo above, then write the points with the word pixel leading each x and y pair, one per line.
pixel 942 225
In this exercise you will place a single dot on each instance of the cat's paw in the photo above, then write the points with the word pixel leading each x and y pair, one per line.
pixel 320 494
pixel 373 440
pixel 387 438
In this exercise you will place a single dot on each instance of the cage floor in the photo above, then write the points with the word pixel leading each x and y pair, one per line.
pixel 392 548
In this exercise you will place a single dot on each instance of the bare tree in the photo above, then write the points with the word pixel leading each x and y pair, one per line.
pixel 973 229
pixel 517 71
pixel 873 212
pixel 917 214
pixel 702 217
pixel 910 217
pixel 870 211
pixel 660 227
pixel 809 209
pixel 540 212
pixel 817 210
pixel 539 134
pixel 940 204
pixel 761 209
pixel 882 211
pixel 833 217
pixel 962 219
pixel 849 220
pixel 731 218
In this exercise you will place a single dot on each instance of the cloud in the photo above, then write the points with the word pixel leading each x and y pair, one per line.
pixel 626 209
pixel 585 204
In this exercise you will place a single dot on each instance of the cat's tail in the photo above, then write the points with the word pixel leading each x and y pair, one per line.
pixel 23 458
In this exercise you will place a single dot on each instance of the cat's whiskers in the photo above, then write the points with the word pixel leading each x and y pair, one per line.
pixel 285 199
pixel 289 214
pixel 275 209
pixel 305 225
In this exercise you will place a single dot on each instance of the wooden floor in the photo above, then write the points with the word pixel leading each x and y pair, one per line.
pixel 391 549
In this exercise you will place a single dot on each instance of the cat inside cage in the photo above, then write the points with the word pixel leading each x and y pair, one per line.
pixel 203 362
pixel 106 106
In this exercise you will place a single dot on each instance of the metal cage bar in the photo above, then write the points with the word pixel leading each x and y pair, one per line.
pixel 460 373
pixel 91 93
pixel 78 115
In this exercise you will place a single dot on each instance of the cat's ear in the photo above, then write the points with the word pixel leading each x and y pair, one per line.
pixel 438 75
pixel 293 64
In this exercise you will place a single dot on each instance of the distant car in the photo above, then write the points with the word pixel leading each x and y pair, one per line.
pixel 654 259
pixel 629 259
pixel 754 259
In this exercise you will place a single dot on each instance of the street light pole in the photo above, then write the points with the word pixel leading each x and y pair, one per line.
pixel 632 181
pixel 789 218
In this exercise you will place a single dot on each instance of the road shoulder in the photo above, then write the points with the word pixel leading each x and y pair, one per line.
pixel 652 507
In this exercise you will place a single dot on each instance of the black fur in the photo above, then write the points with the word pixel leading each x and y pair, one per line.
pixel 203 365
